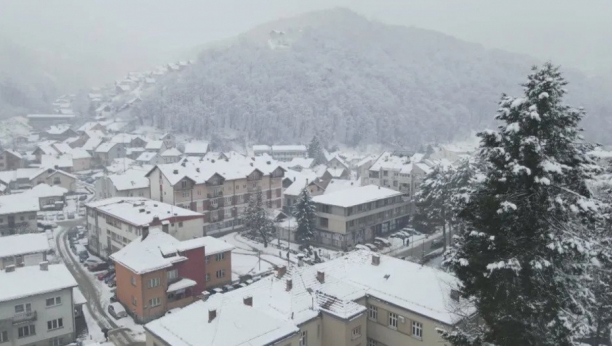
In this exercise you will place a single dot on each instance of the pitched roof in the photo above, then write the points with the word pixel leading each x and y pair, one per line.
pixel 356 195
pixel 196 148
pixel 172 152
pixel 130 179
pixel 140 211
pixel 18 284
pixel 155 145
pixel 21 244
pixel 19 203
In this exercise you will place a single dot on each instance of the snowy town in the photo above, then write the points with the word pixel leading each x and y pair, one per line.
pixel 139 212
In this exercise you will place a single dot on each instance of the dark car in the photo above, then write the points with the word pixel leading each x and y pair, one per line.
pixel 95 267
pixel 82 197
pixel 437 243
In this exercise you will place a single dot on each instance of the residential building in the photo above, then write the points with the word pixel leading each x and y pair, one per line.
pixel 81 160
pixel 131 183
pixel 171 155
pixel 11 160
pixel 219 189
pixel 281 152
pixel 156 272
pixel 41 121
pixel 147 158
pixel 26 178
pixel 452 152
pixel 358 214
pixel 292 193
pixel 336 162
pixel 113 223
pixel 196 149
pixel 59 132
pixel 300 163
pixel 400 173
pixel 23 249
pixel 356 299
pixel 155 146
pixel 40 313
pixel 63 162
pixel 50 197
pixel 18 214
pixel 105 153
pixel 336 185
pixel 169 139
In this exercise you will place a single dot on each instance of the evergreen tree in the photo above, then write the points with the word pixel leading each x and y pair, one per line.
pixel 433 198
pixel 530 245
pixel 315 151
pixel 257 223
pixel 304 212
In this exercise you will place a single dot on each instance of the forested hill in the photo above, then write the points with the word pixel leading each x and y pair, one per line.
pixel 348 79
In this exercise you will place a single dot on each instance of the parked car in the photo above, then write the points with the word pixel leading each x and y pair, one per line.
pixel 95 267
pixel 82 197
pixel 71 216
pixel 112 283
pixel 40 217
pixel 437 243
pixel 60 217
pixel 116 310
pixel 108 279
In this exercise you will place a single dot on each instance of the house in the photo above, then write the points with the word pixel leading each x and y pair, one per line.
pixel 357 215
pixel 134 153
pixel 41 121
pixel 155 146
pixel 44 149
pixel 11 160
pixel 171 155
pixel 292 193
pixel 23 249
pixel 156 272
pixel 220 189
pixel 147 158
pixel 26 178
pixel 401 173
pixel 169 140
pixel 259 150
pixel 37 305
pixel 339 173
pixel 196 149
pixel 131 183
pixel 92 125
pixel 81 160
pixel 341 184
pixel 57 177
pixel 105 153
pixel 361 298
pixel 300 163
pixel 281 152
pixel 363 166
pixel 50 197
pixel 113 223
pixel 60 132
pixel 63 162
pixel 18 214
pixel 336 162
pixel 129 141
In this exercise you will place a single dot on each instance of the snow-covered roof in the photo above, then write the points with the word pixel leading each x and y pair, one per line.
pixel 52 161
pixel 21 244
pixel 20 203
pixel 77 296
pixel 172 152
pixel 180 285
pixel 336 172
pixel 116 126
pixel 146 156
pixel 298 185
pixel 298 147
pixel 336 185
pixel 47 149
pixel 62 148
pixel 79 153
pixel 130 179
pixel 45 190
pixel 303 162
pixel 18 284
pixel 92 143
pixel 88 126
pixel 154 145
pixel 196 148
pixel 139 211
pixel 261 147
pixel 144 255
pixel 211 246
pixel 58 129
pixel 105 147
pixel 124 138
pixel 355 196
pixel 14 153
pixel 340 160
pixel 50 116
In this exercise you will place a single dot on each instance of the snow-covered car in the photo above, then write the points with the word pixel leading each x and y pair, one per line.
pixel 60 217
pixel 116 310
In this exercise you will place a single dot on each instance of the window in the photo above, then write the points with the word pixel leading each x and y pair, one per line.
pixel 32 217
pixel 220 256
pixel 172 274
pixel 181 224
pixel 27 307
pixel 356 333
pixel 153 282
pixel 57 181
pixel 55 324
pixel 3 336
pixel 56 342
pixel 24 332
pixel 393 320
pixel 133 281
pixel 207 277
pixel 134 301
pixel 303 338
pixel 220 273
pixel 323 222
pixel 372 342
pixel 417 329
pixel 54 301
pixel 154 302
pixel 373 312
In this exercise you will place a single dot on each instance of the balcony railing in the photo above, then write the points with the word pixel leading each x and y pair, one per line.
pixel 24 317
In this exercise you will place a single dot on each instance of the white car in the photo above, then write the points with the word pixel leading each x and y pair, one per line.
pixel 116 310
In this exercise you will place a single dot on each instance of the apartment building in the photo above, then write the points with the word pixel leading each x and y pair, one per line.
pixel 357 299
pixel 42 121
pixel 131 183
pixel 219 189
pixel 400 173
pixel 281 152
pixel 357 215
pixel 18 214
pixel 113 223
pixel 39 314
pixel 156 272
pixel 23 249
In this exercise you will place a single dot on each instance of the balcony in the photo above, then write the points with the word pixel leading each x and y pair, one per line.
pixel 24 317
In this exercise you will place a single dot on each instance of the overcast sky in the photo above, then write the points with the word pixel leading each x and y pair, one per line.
pixel 119 35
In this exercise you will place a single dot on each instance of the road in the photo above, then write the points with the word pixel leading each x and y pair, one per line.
pixel 418 250
pixel 119 336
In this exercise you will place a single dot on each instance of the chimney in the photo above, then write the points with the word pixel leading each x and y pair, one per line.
pixel 198 169
pixel 145 232
pixel 248 300
pixel 44 266
pixel 175 171
pixel 212 313
pixel 156 220
pixel 9 268
pixel 375 260
pixel 289 284
pixel 321 276
pixel 280 272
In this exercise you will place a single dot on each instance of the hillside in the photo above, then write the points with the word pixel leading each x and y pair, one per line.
pixel 351 80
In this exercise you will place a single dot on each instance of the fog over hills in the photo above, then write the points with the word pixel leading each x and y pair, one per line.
pixel 352 81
